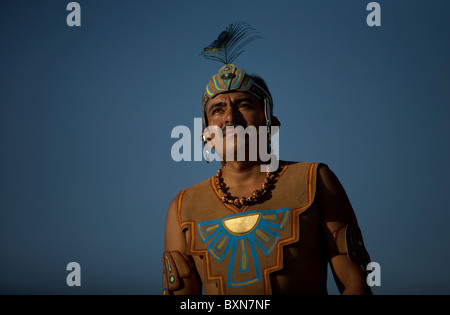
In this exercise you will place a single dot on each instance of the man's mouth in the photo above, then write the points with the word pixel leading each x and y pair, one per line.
pixel 231 131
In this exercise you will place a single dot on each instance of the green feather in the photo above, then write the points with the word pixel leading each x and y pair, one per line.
pixel 228 45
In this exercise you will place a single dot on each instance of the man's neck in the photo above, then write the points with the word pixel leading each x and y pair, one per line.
pixel 242 178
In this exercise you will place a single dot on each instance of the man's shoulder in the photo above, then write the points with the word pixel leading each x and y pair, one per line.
pixel 196 188
pixel 301 164
pixel 295 163
pixel 302 170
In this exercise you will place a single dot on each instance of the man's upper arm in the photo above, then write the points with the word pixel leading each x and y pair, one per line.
pixel 338 219
pixel 174 236
pixel 179 268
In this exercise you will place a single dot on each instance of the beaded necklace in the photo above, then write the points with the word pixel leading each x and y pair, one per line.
pixel 256 196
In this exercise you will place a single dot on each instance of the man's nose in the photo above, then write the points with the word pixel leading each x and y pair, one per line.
pixel 233 116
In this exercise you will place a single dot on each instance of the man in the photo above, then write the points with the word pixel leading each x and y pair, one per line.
pixel 245 231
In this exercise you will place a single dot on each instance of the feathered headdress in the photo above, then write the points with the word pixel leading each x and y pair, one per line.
pixel 226 48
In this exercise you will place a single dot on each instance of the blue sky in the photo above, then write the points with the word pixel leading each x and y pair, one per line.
pixel 86 115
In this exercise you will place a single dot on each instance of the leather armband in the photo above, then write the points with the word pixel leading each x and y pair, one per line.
pixel 349 241
pixel 356 251
pixel 175 267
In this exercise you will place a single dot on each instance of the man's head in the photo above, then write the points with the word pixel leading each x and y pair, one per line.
pixel 233 98
pixel 231 79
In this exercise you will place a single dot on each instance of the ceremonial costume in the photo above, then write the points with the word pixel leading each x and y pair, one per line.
pixel 243 247
pixel 272 242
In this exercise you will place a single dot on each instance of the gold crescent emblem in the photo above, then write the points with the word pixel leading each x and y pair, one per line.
pixel 241 225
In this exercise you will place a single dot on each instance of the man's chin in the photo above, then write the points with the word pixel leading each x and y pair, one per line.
pixel 235 154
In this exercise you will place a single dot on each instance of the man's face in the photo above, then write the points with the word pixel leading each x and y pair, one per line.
pixel 234 109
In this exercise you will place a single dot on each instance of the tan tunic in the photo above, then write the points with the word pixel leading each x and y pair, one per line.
pixel 273 247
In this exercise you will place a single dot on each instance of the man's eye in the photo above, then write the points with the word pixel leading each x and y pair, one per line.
pixel 245 105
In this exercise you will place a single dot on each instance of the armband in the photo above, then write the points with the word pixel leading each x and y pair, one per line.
pixel 349 241
pixel 175 267
pixel 356 251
